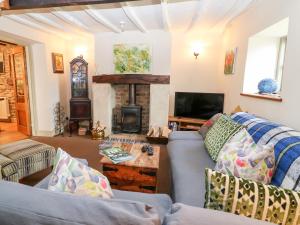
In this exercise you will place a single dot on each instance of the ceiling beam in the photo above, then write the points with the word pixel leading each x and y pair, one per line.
pixel 30 4
pixel 165 15
pixel 200 11
pixel 45 20
pixel 101 19
pixel 26 22
pixel 237 9
pixel 66 17
pixel 133 17
pixel 42 19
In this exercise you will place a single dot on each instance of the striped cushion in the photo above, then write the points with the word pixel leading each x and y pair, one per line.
pixel 8 167
pixel 286 143
pixel 12 178
pixel 29 156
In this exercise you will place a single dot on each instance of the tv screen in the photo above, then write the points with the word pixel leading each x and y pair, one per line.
pixel 198 105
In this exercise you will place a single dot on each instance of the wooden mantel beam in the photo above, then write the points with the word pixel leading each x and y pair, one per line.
pixel 31 4
pixel 132 79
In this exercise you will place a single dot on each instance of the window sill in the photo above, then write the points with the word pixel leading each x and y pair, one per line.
pixel 275 98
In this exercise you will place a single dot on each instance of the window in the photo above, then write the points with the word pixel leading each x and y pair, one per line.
pixel 280 61
pixel 266 56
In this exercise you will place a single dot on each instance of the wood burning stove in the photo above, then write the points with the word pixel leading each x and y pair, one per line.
pixel 131 121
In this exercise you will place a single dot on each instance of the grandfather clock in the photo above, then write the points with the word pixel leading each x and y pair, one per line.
pixel 80 104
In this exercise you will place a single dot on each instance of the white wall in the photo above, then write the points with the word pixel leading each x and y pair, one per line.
pixel 264 14
pixel 159 41
pixel 171 55
pixel 46 88
pixel 194 75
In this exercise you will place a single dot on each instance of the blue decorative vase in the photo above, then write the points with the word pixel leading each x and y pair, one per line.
pixel 267 86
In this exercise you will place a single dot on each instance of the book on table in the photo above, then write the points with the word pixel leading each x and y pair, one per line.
pixel 116 154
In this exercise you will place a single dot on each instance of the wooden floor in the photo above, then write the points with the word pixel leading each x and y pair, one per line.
pixel 9 133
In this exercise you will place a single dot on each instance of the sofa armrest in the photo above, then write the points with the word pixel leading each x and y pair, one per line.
pixel 183 214
pixel 185 135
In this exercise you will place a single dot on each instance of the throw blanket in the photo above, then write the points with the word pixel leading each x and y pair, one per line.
pixel 286 143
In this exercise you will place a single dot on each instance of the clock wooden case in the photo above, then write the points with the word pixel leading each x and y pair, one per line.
pixel 80 104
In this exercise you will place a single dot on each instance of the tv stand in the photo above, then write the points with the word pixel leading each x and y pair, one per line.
pixel 184 123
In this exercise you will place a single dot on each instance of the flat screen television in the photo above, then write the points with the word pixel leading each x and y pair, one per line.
pixel 198 105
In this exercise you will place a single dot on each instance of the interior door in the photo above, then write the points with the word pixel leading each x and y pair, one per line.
pixel 21 89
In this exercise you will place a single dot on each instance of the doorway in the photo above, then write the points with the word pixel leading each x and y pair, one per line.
pixel 15 120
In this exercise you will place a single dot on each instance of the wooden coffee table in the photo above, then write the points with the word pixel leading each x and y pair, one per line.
pixel 139 174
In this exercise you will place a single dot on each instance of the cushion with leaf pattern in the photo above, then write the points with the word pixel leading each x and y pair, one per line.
pixel 242 157
pixel 72 176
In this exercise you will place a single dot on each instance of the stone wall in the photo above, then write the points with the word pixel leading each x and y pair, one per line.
pixel 6 81
pixel 142 99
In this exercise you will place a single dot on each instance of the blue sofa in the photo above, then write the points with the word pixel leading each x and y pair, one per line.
pixel 20 204
pixel 189 158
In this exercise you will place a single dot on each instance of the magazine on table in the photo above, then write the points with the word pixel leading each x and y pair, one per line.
pixel 116 154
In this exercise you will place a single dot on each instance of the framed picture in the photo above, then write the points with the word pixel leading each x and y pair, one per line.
pixel 230 60
pixel 57 63
pixel 2 66
pixel 132 59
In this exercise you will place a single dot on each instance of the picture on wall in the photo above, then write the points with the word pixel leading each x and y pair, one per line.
pixel 230 60
pixel 132 59
pixel 2 68
pixel 57 63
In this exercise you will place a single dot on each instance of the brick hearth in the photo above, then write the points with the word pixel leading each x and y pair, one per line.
pixel 142 99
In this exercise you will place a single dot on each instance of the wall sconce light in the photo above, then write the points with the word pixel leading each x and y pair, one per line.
pixel 197 48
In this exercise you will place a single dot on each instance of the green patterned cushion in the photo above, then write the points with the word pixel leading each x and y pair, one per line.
pixel 248 198
pixel 222 130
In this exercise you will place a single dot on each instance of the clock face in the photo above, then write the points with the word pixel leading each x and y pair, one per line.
pixel 79 80
pixel 75 69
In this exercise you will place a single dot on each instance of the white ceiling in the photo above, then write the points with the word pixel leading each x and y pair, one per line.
pixel 146 15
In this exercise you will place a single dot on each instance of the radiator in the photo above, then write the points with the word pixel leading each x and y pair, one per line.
pixel 4 108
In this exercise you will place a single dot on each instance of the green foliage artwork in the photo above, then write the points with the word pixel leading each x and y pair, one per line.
pixel 132 58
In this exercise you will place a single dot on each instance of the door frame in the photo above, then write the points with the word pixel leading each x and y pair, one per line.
pixel 31 90
pixel 27 89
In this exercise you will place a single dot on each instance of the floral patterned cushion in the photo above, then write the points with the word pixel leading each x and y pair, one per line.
pixel 70 175
pixel 242 157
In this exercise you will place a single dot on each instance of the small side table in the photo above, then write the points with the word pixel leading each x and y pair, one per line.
pixel 138 175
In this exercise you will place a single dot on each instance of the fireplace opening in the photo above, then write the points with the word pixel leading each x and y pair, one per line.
pixel 131 119
pixel 130 113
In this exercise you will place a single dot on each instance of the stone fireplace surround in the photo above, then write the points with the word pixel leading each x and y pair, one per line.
pixel 111 91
